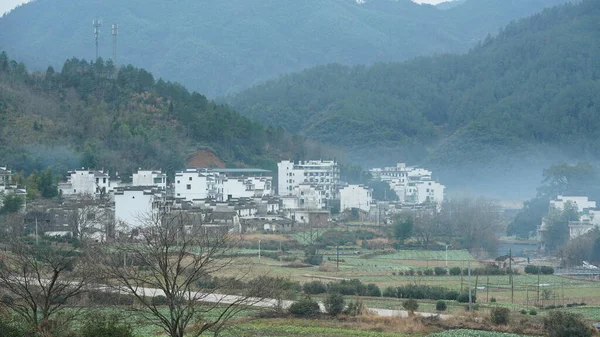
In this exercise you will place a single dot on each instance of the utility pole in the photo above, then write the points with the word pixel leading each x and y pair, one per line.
pixel 487 289
pixel 97 24
pixel 259 251
pixel 115 33
pixel 512 285
pixel 337 259
pixel 470 294
pixel 37 242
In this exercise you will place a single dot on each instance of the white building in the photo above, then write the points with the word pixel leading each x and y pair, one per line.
pixel 197 184
pixel 583 203
pixel 246 187
pixel 90 182
pixel 135 205
pixel 413 185
pixel 149 178
pixel 5 177
pixel 356 196
pixel 324 174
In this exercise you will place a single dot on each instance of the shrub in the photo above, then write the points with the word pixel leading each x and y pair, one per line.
pixel 334 304
pixel 344 287
pixel 411 305
pixel 314 288
pixel 500 316
pixel 410 272
pixel 565 324
pixel 305 307
pixel 108 298
pixel 10 328
pixel 314 260
pixel 419 273
pixel 441 306
pixel 158 300
pixel 546 270
pixel 530 269
pixel 390 292
pixel 523 312
pixel 373 290
pixel 105 326
pixel 455 271
pixel 493 300
pixel 428 272
pixel 439 271
pixel 532 312
pixel 464 298
pixel 353 308
pixel 452 295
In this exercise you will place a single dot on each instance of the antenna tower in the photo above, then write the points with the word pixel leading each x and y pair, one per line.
pixel 97 24
pixel 115 34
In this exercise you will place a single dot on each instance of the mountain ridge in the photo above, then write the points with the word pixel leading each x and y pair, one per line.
pixel 223 47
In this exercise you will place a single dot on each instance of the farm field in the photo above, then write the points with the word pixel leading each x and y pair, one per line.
pixel 473 333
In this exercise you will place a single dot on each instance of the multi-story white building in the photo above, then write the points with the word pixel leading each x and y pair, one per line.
pixel 84 181
pixel 356 196
pixel 589 217
pixel 324 174
pixel 583 203
pixel 5 177
pixel 197 184
pixel 221 184
pixel 135 206
pixel 413 185
pixel 149 178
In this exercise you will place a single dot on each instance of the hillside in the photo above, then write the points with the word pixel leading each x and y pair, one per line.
pixel 88 114
pixel 220 47
pixel 528 96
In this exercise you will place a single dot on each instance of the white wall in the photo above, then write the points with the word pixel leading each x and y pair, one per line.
pixel 133 206
pixel 356 196
pixel 88 182
pixel 582 203
pixel 191 185
pixel 149 178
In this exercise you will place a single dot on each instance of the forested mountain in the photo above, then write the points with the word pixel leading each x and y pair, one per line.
pixel 93 115
pixel 219 47
pixel 530 93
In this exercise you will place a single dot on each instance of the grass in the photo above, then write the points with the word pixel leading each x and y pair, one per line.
pixel 472 333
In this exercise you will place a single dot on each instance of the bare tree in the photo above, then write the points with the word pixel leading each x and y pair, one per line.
pixel 174 257
pixel 474 222
pixel 428 225
pixel 37 282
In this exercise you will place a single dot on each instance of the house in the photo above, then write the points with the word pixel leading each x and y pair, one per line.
pixel 136 205
pixel 149 178
pixel 197 184
pixel 322 174
pixel 85 181
pixel 356 196
pixel 246 187
pixel 413 185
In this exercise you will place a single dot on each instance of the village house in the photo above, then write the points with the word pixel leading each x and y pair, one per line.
pixel 356 196
pixel 149 178
pixel 85 181
pixel 322 174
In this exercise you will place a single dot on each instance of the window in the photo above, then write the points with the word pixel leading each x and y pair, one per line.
pixel 97 180
pixel 104 180
pixel 74 191
pixel 188 186
pixel 158 180
pixel 179 181
pixel 190 178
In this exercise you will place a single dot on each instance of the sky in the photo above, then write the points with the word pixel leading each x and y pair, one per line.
pixel 7 5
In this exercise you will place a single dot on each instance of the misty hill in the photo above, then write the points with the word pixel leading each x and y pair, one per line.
pixel 219 47
pixel 530 94
pixel 89 115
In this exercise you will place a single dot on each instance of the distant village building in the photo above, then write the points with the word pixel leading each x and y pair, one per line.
pixel 135 206
pixel 356 196
pixel 84 181
pixel 149 178
pixel 589 218
pixel 322 174
pixel 8 188
pixel 222 184
pixel 413 185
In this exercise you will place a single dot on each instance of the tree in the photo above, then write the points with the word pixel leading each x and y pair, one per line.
pixel 403 227
pixel 11 203
pixel 176 253
pixel 557 222
pixel 410 305
pixel 334 304
pixel 428 225
pixel 566 324
pixel 474 222
pixel 40 281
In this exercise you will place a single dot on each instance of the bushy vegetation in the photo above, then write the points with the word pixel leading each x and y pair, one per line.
pixel 410 305
pixel 565 324
pixel 305 307
pixel 334 304
pixel 91 114
pixel 544 270
pixel 500 316
pixel 487 106
pixel 314 288
pixel 99 325
pixel 441 306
